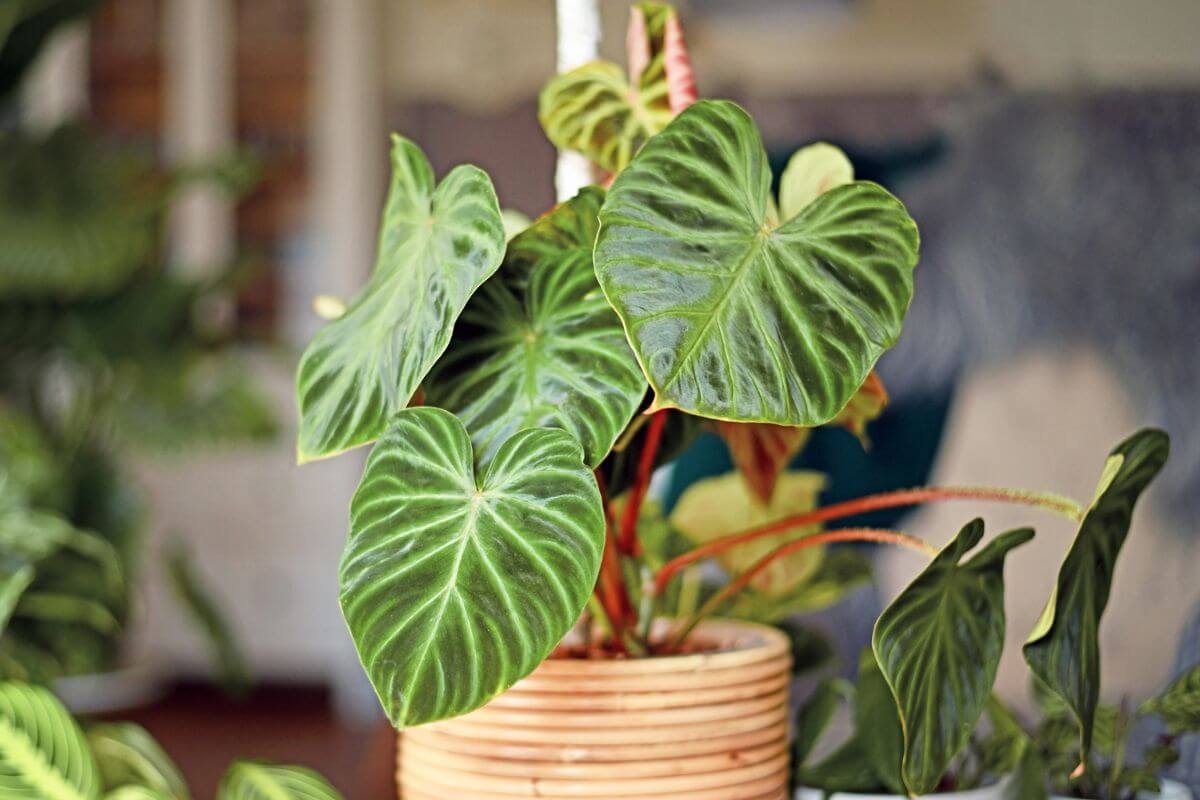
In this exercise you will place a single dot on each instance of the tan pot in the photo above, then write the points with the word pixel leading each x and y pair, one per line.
pixel 706 726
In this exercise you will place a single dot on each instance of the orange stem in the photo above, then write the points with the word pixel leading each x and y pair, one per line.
pixel 904 497
pixel 829 537
pixel 637 493
pixel 610 588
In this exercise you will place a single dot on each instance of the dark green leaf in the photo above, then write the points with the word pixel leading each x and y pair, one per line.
pixel 539 346
pixel 457 583
pixel 845 770
pixel 939 645
pixel 436 247
pixel 877 724
pixel 814 715
pixel 1179 704
pixel 733 315
pixel 1063 650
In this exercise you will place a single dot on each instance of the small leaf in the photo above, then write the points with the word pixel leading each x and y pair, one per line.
pixel 812 171
pixel 436 247
pixel 715 507
pixel 815 714
pixel 456 583
pixel 1063 650
pixel 1179 704
pixel 129 756
pixel 865 406
pixel 43 754
pixel 137 793
pixel 539 346
pixel 731 314
pixel 761 451
pixel 938 645
pixel 844 770
pixel 259 780
pixel 841 571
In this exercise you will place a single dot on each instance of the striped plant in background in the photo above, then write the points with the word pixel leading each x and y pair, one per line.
pixel 520 396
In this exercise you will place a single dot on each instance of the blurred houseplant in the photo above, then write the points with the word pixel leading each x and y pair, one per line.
pixel 102 350
pixel 46 755
pixel 521 396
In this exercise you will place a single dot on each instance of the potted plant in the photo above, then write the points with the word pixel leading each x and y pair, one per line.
pixel 511 594
pixel 927 680
pixel 46 755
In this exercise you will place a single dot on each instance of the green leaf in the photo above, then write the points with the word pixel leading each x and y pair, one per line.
pixel 840 571
pixel 43 754
pixel 814 715
pixel 715 507
pixel 844 770
pixel 877 725
pixel 1063 650
pixel 436 247
pixel 232 670
pixel 259 780
pixel 457 583
pixel 731 314
pixel 129 756
pixel 137 793
pixel 938 645
pixel 539 346
pixel 812 171
pixel 1179 704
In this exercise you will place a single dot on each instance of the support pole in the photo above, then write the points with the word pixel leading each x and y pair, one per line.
pixel 578 43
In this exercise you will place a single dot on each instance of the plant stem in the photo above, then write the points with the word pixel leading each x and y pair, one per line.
pixel 845 535
pixel 637 492
pixel 610 587
pixel 897 499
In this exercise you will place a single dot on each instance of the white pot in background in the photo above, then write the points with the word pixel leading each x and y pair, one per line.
pixel 1171 790
pixel 993 792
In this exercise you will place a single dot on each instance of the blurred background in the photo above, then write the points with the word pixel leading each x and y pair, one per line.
pixel 179 179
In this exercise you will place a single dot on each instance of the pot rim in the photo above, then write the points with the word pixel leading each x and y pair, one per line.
pixel 740 643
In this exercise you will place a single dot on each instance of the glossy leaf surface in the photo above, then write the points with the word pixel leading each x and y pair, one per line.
pixel 938 645
pixel 43 754
pixel 716 507
pixel 539 346
pixel 258 780
pixel 437 245
pixel 128 755
pixel 457 583
pixel 731 314
pixel 1063 650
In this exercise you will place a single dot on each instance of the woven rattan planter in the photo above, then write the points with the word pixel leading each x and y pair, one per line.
pixel 709 726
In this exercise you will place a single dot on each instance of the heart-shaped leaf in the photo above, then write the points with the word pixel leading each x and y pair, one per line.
pixel 732 315
pixel 259 780
pixel 1179 704
pixel 129 756
pixel 1063 650
pixel 43 755
pixel 457 583
pixel 539 346
pixel 716 507
pixel 436 247
pixel 810 172
pixel 938 645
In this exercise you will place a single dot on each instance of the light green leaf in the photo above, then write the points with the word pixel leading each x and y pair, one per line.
pixel 938 645
pixel 129 756
pixel 457 583
pixel 137 793
pixel 1179 704
pixel 812 171
pixel 70 609
pixel 716 507
pixel 436 247
pixel 514 222
pixel 539 346
pixel 731 314
pixel 1063 650
pixel 259 780
pixel 840 571
pixel 43 754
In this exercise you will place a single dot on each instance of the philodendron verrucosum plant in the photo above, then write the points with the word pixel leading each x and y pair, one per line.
pixel 521 394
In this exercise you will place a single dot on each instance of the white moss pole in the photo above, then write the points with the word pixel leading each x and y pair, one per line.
pixel 578 43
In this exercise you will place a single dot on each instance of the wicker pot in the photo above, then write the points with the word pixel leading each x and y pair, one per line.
pixel 706 726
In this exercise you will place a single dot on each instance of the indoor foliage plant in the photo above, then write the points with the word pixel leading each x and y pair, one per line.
pixel 46 755
pixel 519 397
